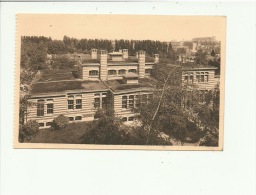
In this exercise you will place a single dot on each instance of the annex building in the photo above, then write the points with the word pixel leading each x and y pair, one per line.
pixel 106 79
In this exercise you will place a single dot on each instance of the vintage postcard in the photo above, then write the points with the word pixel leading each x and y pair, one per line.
pixel 146 82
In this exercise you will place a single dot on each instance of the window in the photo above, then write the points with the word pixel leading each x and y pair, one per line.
pixel 122 71
pixel 78 118
pixel 132 70
pixel 93 73
pixel 186 79
pixel 131 118
pixel 150 97
pixel 111 72
pixel 49 124
pixel 191 79
pixel 137 100
pixel 71 118
pixel 131 101
pixel 124 102
pixel 70 104
pixel 104 102
pixel 148 71
pixel 96 102
pixel 124 119
pixel 50 108
pixel 144 99
pixel 41 124
pixel 40 108
pixel 78 104
pixel 202 77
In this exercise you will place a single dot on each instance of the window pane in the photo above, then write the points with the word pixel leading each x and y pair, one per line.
pixel 96 102
pixel 124 102
pixel 78 118
pixel 78 104
pixel 49 108
pixel 40 108
pixel 70 104
pixel 131 101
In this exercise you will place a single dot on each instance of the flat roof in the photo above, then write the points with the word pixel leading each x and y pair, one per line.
pixel 119 85
pixel 62 86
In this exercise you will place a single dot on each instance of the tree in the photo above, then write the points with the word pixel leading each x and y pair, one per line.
pixel 201 57
pixel 106 130
pixel 60 122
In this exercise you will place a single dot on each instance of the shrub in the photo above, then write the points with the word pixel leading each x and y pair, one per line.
pixel 31 127
pixel 60 122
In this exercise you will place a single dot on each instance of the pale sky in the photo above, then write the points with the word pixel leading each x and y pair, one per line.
pixel 138 27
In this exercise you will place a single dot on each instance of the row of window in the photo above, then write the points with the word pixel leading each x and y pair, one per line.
pixel 131 118
pixel 119 72
pixel 132 101
pixel 99 102
pixel 48 124
pixel 201 77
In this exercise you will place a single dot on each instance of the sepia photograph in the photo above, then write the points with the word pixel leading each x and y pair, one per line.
pixel 120 82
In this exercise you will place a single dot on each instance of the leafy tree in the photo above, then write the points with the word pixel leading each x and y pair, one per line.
pixel 106 130
pixel 60 122
pixel 23 112
pixel 201 57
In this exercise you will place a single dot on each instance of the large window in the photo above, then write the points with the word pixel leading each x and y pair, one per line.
pixel 78 103
pixel 93 73
pixel 132 70
pixel 131 101
pixel 111 72
pixel 148 71
pixel 70 104
pixel 124 102
pixel 40 108
pixel 97 102
pixel 202 77
pixel 122 71
pixel 50 108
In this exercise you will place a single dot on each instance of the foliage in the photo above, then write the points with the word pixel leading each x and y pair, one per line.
pixel 33 54
pixel 24 104
pixel 63 63
pixel 106 130
pixel 60 122
pixel 71 134
pixel 29 129
pixel 201 57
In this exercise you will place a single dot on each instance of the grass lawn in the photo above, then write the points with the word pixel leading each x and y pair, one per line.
pixel 70 135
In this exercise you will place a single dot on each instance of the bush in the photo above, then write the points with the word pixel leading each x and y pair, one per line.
pixel 31 127
pixel 60 122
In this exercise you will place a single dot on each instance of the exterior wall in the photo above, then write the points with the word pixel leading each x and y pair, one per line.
pixel 103 65
pixel 200 85
pixel 86 75
pixel 117 102
pixel 117 58
pixel 60 106
pixel 141 61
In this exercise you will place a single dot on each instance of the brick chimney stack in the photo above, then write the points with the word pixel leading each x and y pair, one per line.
pixel 141 61
pixel 103 65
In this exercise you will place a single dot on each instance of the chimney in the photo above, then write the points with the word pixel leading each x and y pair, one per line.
pixel 93 53
pixel 141 61
pixel 137 55
pixel 103 65
pixel 125 53
pixel 120 50
pixel 156 58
